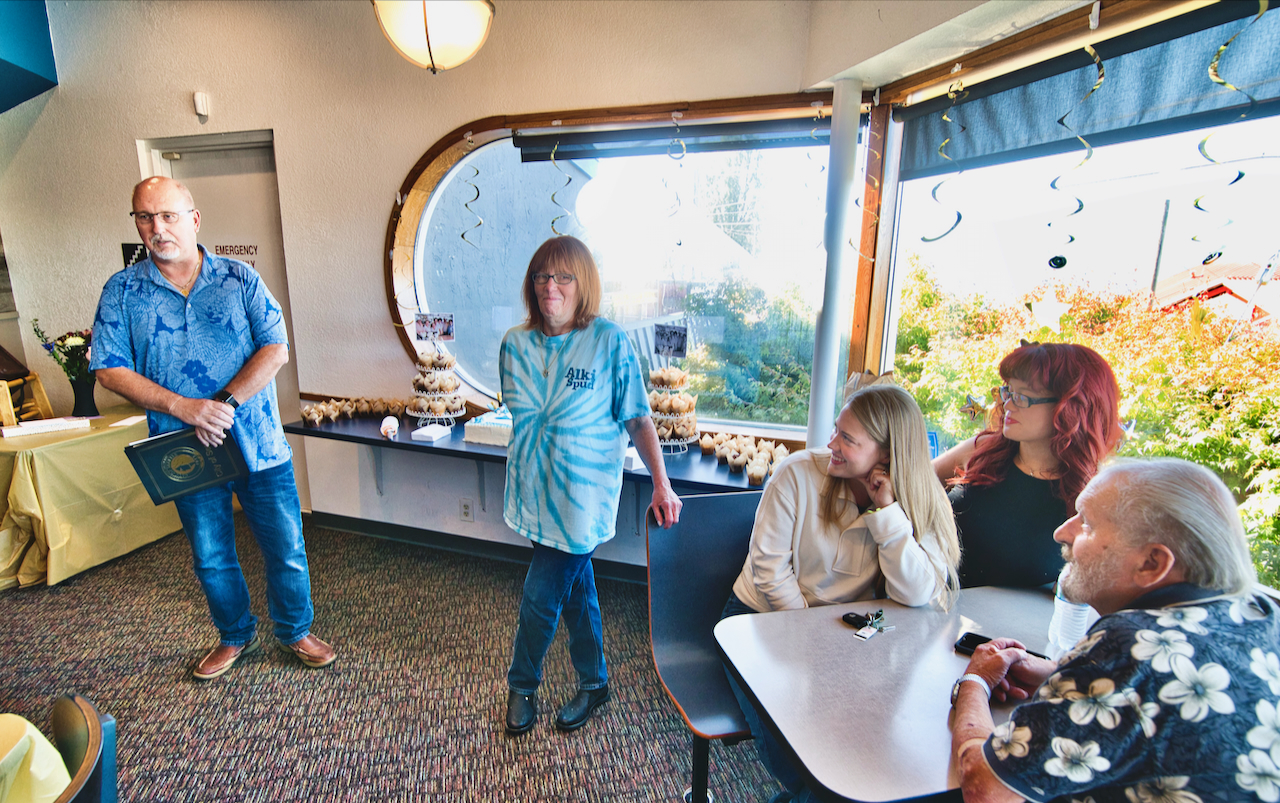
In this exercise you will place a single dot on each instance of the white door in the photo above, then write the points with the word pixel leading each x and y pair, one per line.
pixel 234 185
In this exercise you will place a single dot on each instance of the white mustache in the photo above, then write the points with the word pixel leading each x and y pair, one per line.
pixel 158 241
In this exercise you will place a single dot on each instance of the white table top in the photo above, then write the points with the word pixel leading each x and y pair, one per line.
pixel 869 720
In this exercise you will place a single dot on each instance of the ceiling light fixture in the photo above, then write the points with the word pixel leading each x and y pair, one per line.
pixel 435 34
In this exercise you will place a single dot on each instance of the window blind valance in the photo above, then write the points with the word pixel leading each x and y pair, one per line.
pixel 783 133
pixel 1148 91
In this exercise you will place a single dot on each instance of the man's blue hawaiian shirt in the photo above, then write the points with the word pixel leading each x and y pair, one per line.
pixel 195 345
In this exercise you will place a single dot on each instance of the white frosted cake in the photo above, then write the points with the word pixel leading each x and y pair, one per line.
pixel 492 429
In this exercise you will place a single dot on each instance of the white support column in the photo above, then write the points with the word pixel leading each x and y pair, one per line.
pixel 841 172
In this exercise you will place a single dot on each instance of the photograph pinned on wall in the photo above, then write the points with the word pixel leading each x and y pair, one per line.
pixel 433 326
pixel 670 340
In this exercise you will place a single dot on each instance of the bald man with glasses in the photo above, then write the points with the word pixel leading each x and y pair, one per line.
pixel 196 340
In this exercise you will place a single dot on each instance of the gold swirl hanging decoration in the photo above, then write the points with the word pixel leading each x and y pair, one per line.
pixel 1060 261
pixel 471 146
pixel 822 167
pixel 568 179
pixel 956 93
pixel 671 153
pixel 1203 147
pixel 1264 276
pixel 873 154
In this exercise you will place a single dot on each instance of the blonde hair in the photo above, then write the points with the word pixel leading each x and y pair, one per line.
pixel 893 420
pixel 564 255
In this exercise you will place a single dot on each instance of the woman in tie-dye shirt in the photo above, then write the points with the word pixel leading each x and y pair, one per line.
pixel 573 386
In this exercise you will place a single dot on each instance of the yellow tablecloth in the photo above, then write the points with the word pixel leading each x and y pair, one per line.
pixel 31 770
pixel 74 501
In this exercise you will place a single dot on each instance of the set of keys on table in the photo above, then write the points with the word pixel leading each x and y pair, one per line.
pixel 868 625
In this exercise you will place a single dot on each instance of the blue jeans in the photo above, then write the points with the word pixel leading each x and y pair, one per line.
pixel 558 585
pixel 771 754
pixel 270 502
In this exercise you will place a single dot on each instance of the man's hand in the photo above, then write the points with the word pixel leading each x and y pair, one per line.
pixel 210 418
pixel 666 505
pixel 1012 672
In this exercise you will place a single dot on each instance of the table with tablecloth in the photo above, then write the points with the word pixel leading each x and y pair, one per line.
pixel 71 501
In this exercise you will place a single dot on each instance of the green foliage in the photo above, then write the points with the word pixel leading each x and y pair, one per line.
pixel 1186 389
pixel 760 370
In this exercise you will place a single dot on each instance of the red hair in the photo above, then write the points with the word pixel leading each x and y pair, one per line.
pixel 1086 417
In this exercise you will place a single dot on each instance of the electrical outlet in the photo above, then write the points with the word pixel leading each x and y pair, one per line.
pixel 466 509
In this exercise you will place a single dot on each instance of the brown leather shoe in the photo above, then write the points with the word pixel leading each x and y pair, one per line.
pixel 313 652
pixel 223 657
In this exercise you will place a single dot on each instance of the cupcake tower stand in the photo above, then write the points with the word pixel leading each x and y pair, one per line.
pixel 436 391
pixel 674 413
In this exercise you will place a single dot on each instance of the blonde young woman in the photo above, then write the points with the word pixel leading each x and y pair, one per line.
pixel 839 524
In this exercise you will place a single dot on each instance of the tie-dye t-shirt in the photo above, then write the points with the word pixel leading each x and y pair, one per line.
pixel 195 345
pixel 569 397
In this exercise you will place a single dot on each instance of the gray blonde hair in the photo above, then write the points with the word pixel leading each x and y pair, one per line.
pixel 1188 509
pixel 893 420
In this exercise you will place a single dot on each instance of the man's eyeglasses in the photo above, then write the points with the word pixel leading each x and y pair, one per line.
pixel 561 278
pixel 1021 399
pixel 168 217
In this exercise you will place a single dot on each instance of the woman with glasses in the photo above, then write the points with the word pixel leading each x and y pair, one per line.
pixel 863 518
pixel 1015 483
pixel 573 386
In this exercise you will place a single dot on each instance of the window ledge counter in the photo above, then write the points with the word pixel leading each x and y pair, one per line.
pixel 416 491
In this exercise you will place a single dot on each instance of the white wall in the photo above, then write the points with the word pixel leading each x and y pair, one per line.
pixel 350 118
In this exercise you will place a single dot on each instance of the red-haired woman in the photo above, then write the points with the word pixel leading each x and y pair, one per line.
pixel 1013 484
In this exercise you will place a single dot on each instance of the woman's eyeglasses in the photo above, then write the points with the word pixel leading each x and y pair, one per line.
pixel 561 278
pixel 1022 400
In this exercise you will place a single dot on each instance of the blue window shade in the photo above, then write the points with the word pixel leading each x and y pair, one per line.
pixel 1148 91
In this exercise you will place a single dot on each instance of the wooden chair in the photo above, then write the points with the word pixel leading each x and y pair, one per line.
pixel 87 741
pixel 692 567
pixel 23 399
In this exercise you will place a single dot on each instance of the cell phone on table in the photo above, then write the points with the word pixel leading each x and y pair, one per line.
pixel 969 642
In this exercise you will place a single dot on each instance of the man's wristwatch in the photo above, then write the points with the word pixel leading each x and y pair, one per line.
pixel 955 688
pixel 225 397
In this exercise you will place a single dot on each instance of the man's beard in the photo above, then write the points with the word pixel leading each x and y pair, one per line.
pixel 1086 584
pixel 165 249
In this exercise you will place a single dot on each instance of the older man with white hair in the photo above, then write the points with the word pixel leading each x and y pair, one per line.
pixel 1173 694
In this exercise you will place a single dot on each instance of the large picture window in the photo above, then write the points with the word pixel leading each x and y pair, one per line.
pixel 726 242
pixel 1155 248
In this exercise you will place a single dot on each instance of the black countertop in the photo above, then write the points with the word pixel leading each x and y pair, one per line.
pixel 691 471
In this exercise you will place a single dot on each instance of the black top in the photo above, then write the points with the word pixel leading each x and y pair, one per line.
pixel 1006 531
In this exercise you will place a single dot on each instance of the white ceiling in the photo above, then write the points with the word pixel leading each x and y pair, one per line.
pixel 949 41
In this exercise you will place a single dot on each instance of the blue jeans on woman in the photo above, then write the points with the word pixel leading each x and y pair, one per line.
pixel 558 585
pixel 771 754
pixel 270 502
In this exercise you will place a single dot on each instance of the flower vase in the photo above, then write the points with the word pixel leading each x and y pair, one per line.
pixel 82 386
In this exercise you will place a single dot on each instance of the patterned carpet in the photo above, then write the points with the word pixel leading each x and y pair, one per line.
pixel 411 711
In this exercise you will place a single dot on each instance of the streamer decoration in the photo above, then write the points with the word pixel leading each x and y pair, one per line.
pixel 471 145
pixel 956 93
pixel 568 179
pixel 1217 78
pixel 873 153
pixel 402 305
pixel 676 140
pixel 1264 276
pixel 1058 262
pixel 813 135
pixel 822 167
